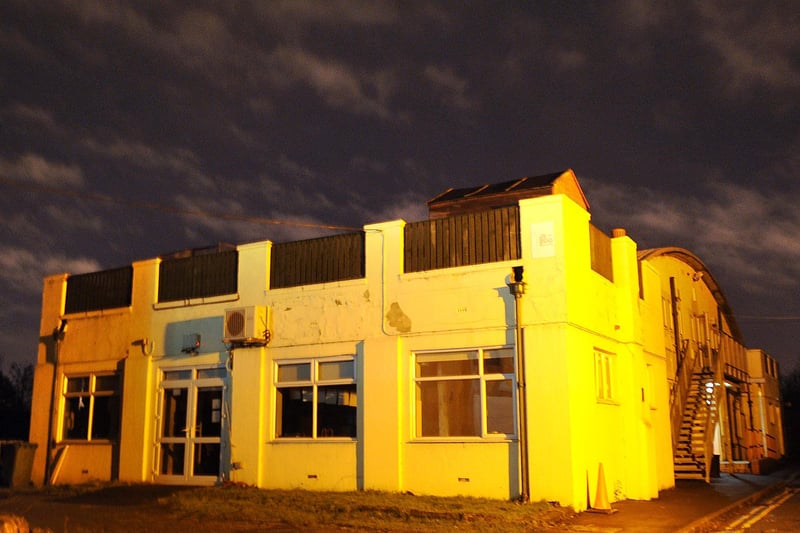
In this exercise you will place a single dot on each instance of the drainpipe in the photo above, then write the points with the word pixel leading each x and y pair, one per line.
pixel 516 286
pixel 763 423
pixel 58 337
pixel 675 321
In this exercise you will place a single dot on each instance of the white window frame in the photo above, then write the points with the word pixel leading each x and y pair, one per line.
pixel 605 377
pixel 314 382
pixel 480 376
pixel 90 396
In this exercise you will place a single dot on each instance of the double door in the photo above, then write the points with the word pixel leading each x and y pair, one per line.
pixel 191 445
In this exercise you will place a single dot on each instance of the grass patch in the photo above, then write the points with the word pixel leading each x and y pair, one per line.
pixel 362 510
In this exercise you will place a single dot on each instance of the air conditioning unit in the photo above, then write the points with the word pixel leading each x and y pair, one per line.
pixel 247 325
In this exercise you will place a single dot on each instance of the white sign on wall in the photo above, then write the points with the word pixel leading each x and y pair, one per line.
pixel 543 239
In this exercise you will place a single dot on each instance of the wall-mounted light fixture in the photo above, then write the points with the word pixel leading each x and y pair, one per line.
pixel 60 331
pixel 146 344
pixel 191 343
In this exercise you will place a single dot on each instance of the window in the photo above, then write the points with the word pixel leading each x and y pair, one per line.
pixel 604 376
pixel 316 398
pixel 465 393
pixel 91 407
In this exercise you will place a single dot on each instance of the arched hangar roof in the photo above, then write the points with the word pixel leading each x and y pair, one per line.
pixel 697 264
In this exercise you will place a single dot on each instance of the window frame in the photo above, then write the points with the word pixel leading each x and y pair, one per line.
pixel 314 382
pixel 605 377
pixel 481 376
pixel 92 395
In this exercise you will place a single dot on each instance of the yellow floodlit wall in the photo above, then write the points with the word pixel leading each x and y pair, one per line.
pixel 597 365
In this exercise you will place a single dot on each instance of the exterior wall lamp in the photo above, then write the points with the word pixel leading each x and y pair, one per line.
pixel 60 331
pixel 516 283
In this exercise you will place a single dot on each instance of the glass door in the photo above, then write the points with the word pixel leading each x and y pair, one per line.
pixel 190 444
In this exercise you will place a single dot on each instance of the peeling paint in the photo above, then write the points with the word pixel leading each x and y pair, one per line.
pixel 398 319
pixel 366 295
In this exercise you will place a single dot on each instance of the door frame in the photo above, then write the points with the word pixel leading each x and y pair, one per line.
pixel 192 379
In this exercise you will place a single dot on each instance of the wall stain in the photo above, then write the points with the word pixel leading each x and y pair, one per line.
pixel 398 319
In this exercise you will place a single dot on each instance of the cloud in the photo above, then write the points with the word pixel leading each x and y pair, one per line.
pixel 176 160
pixel 451 86
pixel 25 270
pixel 335 13
pixel 756 43
pixel 569 59
pixel 336 83
pixel 747 236
pixel 409 207
pixel 36 168
pixel 641 15
pixel 33 115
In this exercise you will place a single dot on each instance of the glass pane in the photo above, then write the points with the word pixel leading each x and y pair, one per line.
pixel 80 384
pixel 296 372
pixel 105 420
pixel 209 412
pixel 76 418
pixel 500 407
pixel 174 375
pixel 453 364
pixel 174 413
pixel 206 459
pixel 337 370
pixel 106 383
pixel 336 411
pixel 208 373
pixel 172 458
pixel 294 412
pixel 498 361
pixel 449 408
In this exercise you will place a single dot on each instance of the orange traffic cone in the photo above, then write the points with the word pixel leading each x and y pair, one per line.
pixel 601 504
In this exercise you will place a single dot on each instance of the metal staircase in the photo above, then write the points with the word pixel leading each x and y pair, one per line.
pixel 695 403
pixel 693 451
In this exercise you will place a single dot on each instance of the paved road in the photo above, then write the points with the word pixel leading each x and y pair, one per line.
pixel 774 512
pixel 688 506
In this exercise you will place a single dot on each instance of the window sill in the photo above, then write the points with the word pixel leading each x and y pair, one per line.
pixel 608 402
pixel 500 439
pixel 94 442
pixel 309 440
pixel 190 302
pixel 98 313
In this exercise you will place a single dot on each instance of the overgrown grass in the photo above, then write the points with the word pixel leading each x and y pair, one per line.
pixel 369 510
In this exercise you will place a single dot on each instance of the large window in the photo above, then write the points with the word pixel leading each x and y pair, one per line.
pixel 465 393
pixel 316 398
pixel 91 407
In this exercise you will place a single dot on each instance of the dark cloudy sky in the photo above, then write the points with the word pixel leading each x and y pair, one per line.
pixel 680 118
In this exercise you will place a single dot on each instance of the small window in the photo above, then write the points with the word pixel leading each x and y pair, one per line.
pixel 605 386
pixel 316 399
pixel 91 407
pixel 465 393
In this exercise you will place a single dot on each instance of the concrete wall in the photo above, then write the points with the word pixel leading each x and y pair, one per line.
pixel 568 313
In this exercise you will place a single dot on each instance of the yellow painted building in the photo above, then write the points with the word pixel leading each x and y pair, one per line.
pixel 504 348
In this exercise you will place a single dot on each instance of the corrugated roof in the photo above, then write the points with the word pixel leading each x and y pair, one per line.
pixel 697 264
pixel 480 191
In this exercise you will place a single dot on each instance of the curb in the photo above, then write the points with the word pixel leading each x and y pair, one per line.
pixel 704 520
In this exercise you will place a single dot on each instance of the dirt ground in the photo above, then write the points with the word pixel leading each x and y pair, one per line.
pixel 135 508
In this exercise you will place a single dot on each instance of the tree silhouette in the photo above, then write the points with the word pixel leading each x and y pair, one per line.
pixel 790 392
pixel 16 389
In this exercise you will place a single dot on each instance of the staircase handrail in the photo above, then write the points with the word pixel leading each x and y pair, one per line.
pixel 679 391
pixel 716 364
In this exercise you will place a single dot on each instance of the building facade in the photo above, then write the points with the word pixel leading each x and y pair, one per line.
pixel 503 348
